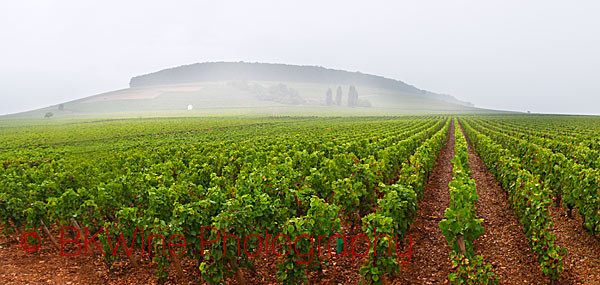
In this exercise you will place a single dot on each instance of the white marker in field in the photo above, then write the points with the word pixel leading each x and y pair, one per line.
pixel 190 107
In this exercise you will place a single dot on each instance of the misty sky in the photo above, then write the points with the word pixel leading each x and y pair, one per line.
pixel 542 56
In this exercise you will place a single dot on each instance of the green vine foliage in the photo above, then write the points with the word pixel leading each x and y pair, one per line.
pixel 388 225
pixel 528 198
pixel 461 220
pixel 471 271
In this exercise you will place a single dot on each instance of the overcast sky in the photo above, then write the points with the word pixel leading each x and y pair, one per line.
pixel 542 56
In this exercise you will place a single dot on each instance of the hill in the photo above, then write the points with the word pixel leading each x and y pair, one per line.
pixel 220 71
pixel 234 88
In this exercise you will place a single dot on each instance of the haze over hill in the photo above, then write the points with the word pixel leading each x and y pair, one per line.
pixel 220 71
pixel 256 88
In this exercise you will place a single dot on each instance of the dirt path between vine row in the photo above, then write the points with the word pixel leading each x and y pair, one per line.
pixel 430 262
pixel 582 260
pixel 503 243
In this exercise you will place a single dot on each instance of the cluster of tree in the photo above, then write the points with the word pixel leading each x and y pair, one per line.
pixel 282 94
pixel 279 93
pixel 338 97
pixel 353 100
pixel 352 97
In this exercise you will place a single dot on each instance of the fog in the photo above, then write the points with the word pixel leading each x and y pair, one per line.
pixel 542 56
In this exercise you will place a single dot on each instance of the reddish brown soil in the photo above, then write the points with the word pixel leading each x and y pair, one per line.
pixel 582 261
pixel 430 261
pixel 19 267
pixel 46 266
pixel 335 270
pixel 503 243
pixel 342 269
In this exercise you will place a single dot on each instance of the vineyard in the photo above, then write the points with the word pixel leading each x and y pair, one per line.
pixel 473 199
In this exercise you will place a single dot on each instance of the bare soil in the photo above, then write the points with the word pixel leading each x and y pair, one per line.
pixel 46 266
pixel 582 261
pixel 430 263
pixel 503 243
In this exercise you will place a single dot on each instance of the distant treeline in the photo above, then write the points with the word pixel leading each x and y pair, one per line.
pixel 227 71
pixel 279 93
